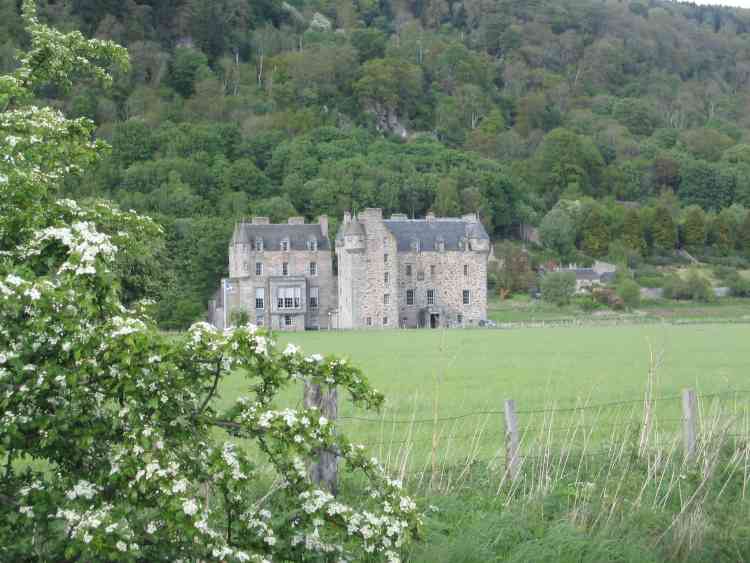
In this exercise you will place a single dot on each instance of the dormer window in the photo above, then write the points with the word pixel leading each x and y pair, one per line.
pixel 440 244
pixel 285 245
pixel 312 245
pixel 462 244
pixel 259 244
pixel 415 245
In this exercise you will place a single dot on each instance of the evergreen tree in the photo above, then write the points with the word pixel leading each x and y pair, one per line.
pixel 664 231
pixel 596 234
pixel 743 236
pixel 632 231
pixel 694 228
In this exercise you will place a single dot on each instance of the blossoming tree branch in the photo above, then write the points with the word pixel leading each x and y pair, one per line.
pixel 108 434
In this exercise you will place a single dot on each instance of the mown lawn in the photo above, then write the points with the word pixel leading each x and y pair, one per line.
pixel 450 373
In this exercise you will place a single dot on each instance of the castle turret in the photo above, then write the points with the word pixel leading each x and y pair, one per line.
pixel 354 236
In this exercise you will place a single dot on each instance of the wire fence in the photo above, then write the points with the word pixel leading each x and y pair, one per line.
pixel 423 445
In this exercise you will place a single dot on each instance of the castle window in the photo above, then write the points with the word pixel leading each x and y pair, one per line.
pixel 314 297
pixel 387 278
pixel 288 297
pixel 432 271
pixel 369 321
pixel 408 270
pixel 410 297
pixel 387 299
pixel 430 296
pixel 285 269
pixel 466 269
pixel 415 246
pixel 312 245
pixel 467 297
pixel 260 298
pixel 288 321
pixel 385 258
pixel 385 321
pixel 313 268
pixel 460 319
pixel 440 245
pixel 285 245
pixel 259 244
pixel 245 267
pixel 259 320
pixel 420 275
pixel 259 268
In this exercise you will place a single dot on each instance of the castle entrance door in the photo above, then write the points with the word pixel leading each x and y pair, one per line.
pixel 434 320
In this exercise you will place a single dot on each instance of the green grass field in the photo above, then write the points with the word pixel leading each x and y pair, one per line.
pixel 456 372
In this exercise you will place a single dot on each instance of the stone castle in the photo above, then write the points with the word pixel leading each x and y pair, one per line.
pixel 392 273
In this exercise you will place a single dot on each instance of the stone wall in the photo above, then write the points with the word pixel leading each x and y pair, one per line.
pixel 243 263
pixel 448 281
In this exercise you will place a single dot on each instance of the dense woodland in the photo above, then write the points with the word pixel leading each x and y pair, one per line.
pixel 618 128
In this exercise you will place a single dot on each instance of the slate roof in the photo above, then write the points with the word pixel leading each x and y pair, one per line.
pixel 430 232
pixel 272 235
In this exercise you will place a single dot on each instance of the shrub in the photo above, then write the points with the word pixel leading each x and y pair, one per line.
pixel 739 286
pixel 630 293
pixel 558 287
pixel 694 287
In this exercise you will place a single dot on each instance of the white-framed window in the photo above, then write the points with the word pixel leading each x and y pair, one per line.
pixel 285 245
pixel 466 269
pixel 313 268
pixel 408 270
pixel 285 269
pixel 430 296
pixel 385 321
pixel 245 267
pixel 259 320
pixel 260 298
pixel 289 321
pixel 440 245
pixel 314 297
pixel 467 296
pixel 385 258
pixel 312 245
pixel 387 299
pixel 420 275
pixel 369 321
pixel 259 268
pixel 410 297
pixel 460 319
pixel 259 244
pixel 387 278
pixel 432 271
pixel 288 297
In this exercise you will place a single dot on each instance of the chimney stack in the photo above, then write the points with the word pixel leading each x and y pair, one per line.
pixel 323 221
pixel 347 217
pixel 296 221
pixel 430 217
pixel 261 221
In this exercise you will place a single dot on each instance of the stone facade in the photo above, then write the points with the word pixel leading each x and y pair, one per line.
pixel 411 273
pixel 392 273
pixel 280 275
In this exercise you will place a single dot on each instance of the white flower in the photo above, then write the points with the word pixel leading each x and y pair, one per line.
pixel 87 538
pixel 190 507
pixel 27 510
pixel 151 528
pixel 290 350
pixel 3 359
pixel 322 421
pixel 270 540
pixel 317 358
pixel 179 486
pixel 122 546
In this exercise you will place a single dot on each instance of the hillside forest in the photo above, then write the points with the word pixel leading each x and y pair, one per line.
pixel 619 129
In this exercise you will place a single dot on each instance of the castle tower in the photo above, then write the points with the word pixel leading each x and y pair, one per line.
pixel 350 251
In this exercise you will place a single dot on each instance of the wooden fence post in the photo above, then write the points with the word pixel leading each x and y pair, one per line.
pixel 324 471
pixel 689 422
pixel 513 463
